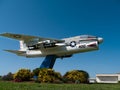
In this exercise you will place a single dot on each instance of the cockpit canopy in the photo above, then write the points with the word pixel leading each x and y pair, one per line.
pixel 87 36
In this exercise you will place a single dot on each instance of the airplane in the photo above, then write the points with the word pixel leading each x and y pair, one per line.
pixel 51 49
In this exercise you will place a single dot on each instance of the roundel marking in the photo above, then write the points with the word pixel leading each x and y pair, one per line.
pixel 72 43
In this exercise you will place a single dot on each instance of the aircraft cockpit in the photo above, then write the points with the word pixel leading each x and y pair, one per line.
pixel 87 36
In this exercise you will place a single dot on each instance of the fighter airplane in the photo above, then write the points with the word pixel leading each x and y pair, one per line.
pixel 34 46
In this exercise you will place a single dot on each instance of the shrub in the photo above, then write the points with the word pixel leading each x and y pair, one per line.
pixel 36 71
pixel 23 75
pixel 7 77
pixel 49 76
pixel 76 76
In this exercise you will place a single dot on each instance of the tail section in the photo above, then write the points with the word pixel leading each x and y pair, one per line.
pixel 20 53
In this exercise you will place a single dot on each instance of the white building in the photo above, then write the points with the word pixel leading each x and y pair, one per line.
pixel 118 76
pixel 92 80
pixel 107 78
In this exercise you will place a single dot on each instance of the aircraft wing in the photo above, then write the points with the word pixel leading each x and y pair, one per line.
pixel 28 38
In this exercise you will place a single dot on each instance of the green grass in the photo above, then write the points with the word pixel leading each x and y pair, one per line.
pixel 38 86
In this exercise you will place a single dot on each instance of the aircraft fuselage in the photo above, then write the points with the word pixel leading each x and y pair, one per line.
pixel 69 47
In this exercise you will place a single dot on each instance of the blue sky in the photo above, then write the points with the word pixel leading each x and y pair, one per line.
pixel 59 19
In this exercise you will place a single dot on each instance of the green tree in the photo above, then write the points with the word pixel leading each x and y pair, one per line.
pixel 23 75
pixel 49 75
pixel 8 77
pixel 0 77
pixel 76 75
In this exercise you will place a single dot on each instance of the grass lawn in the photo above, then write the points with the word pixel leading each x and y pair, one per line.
pixel 38 86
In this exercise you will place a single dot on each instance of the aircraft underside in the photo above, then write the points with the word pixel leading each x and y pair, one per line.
pixel 51 56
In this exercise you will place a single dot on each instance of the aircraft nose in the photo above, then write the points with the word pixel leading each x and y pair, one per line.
pixel 100 40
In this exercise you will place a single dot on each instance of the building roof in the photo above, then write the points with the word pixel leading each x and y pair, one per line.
pixel 107 75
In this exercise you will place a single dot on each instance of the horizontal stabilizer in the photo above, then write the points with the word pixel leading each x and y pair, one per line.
pixel 15 52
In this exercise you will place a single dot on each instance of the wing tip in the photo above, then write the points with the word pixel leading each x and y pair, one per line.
pixel 1 34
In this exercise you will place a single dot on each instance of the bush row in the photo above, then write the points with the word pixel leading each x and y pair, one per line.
pixel 47 76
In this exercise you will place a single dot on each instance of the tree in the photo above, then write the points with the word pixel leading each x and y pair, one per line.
pixel 0 77
pixel 8 77
pixel 76 76
pixel 49 76
pixel 22 75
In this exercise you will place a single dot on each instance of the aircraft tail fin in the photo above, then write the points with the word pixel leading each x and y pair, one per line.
pixel 23 46
pixel 15 52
